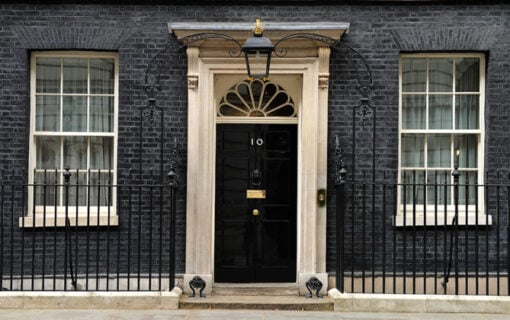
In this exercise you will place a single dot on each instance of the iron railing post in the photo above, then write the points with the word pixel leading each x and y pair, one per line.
pixel 454 238
pixel 456 175
pixel 67 178
pixel 172 186
pixel 171 274
pixel 340 176
pixel 67 239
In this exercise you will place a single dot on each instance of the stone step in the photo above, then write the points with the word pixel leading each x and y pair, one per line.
pixel 255 290
pixel 297 303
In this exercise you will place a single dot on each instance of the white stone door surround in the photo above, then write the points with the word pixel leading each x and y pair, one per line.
pixel 209 61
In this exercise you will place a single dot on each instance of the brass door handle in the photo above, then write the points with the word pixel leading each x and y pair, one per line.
pixel 255 212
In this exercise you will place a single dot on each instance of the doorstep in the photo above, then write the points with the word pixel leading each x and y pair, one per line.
pixel 259 302
pixel 256 296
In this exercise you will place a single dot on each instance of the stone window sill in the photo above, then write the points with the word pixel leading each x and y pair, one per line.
pixel 50 221
pixel 431 218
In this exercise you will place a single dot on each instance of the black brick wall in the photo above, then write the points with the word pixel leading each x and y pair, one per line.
pixel 138 32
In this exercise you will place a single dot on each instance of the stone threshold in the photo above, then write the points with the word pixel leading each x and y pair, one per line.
pixel 255 289
pixel 165 300
pixel 418 303
pixel 258 302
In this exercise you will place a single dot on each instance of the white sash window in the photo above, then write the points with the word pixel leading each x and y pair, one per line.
pixel 441 123
pixel 74 98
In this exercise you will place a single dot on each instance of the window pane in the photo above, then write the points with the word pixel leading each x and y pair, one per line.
pixel 439 187
pixel 47 114
pixel 101 114
pixel 102 76
pixel 100 190
pixel 467 75
pixel 48 192
pixel 468 146
pixel 468 187
pixel 75 75
pixel 414 75
pixel 466 112
pixel 412 150
pixel 412 188
pixel 439 151
pixel 48 152
pixel 413 112
pixel 441 75
pixel 75 152
pixel 75 113
pixel 101 153
pixel 48 75
pixel 440 112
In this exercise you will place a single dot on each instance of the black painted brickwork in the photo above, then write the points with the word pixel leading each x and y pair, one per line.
pixel 139 32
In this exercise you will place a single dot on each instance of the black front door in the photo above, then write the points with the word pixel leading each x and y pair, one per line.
pixel 255 230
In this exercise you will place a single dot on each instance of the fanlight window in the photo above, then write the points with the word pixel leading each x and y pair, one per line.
pixel 256 98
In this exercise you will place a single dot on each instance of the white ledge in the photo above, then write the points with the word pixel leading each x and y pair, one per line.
pixel 429 218
pixel 167 300
pixel 273 30
pixel 418 303
pixel 60 221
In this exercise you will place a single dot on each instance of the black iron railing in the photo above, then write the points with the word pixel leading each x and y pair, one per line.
pixel 441 236
pixel 65 234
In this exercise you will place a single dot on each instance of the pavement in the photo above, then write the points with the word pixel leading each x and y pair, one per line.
pixel 80 314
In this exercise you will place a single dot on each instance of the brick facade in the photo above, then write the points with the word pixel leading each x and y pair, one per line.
pixel 138 32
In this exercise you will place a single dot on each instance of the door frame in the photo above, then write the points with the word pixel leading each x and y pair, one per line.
pixel 312 125
pixel 251 223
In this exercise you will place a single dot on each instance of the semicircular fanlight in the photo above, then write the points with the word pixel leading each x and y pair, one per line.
pixel 256 98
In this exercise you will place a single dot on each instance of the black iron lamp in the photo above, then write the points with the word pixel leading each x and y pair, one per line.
pixel 257 53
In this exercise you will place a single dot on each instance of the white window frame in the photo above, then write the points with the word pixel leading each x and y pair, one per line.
pixel 420 214
pixel 41 216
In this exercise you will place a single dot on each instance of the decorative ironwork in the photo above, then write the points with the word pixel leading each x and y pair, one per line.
pixel 363 73
pixel 234 52
pixel 311 36
pixel 364 111
pixel 197 283
pixel 280 52
pixel 173 164
pixel 340 172
pixel 151 112
pixel 314 284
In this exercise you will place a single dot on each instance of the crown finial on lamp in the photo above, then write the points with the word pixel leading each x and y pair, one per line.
pixel 258 30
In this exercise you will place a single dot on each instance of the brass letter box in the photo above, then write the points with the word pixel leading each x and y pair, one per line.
pixel 255 194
